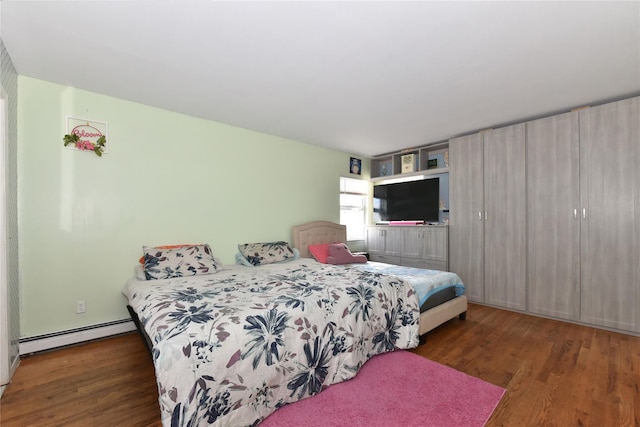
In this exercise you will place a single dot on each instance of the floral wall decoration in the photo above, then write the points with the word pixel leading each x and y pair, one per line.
pixel 86 135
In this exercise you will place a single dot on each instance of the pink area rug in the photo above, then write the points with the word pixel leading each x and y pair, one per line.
pixel 396 389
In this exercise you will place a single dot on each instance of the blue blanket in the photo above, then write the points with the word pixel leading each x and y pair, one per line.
pixel 424 282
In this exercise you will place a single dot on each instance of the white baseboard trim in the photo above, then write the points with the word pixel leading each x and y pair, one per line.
pixel 75 336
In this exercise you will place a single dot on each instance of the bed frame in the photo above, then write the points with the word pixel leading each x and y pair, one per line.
pixel 319 232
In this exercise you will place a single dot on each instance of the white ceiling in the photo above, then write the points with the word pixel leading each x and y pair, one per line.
pixel 361 77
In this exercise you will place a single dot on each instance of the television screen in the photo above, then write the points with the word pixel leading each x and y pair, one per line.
pixel 407 201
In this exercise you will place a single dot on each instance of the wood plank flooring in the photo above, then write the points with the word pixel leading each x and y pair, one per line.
pixel 109 382
pixel 555 373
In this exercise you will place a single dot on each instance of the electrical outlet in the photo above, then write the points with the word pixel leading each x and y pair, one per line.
pixel 81 307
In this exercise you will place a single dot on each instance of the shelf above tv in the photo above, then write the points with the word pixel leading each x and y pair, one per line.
pixel 427 160
pixel 426 172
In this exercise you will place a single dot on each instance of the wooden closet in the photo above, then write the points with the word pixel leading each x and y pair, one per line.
pixel 545 215
pixel 487 215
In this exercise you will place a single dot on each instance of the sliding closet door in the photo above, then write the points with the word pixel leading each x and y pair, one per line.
pixel 505 219
pixel 553 203
pixel 610 162
pixel 466 207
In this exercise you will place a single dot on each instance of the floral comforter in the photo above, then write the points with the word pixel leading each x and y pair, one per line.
pixel 232 347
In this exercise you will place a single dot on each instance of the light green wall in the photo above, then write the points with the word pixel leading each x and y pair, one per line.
pixel 168 178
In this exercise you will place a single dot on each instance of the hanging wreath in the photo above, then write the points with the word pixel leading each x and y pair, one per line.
pixel 97 147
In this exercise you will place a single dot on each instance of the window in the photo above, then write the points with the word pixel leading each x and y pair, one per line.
pixel 353 206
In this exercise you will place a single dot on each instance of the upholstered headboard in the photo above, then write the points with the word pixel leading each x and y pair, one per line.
pixel 315 233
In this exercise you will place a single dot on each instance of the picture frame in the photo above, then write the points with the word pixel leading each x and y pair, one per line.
pixel 432 164
pixel 408 163
pixel 88 130
pixel 355 166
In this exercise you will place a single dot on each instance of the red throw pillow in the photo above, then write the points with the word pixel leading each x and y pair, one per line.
pixel 320 252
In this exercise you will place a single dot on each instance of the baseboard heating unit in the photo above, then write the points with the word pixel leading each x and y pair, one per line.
pixel 53 340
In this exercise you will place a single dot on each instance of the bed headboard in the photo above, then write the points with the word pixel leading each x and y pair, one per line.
pixel 315 233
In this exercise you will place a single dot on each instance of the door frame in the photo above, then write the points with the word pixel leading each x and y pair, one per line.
pixel 5 344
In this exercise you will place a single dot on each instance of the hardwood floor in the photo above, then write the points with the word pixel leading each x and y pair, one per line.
pixel 110 382
pixel 555 373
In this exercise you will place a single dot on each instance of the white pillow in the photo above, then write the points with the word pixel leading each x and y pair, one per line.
pixel 139 272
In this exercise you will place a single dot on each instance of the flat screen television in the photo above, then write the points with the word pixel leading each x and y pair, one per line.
pixel 407 201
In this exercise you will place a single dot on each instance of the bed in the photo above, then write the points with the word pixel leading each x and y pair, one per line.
pixel 231 344
pixel 442 297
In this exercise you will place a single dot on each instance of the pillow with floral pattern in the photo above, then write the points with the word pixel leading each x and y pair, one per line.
pixel 165 263
pixel 266 253
pixel 241 260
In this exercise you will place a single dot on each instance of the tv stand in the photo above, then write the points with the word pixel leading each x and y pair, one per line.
pixel 421 246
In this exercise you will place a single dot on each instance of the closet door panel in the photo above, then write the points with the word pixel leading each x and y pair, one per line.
pixel 435 243
pixel 609 143
pixel 375 241
pixel 505 224
pixel 553 221
pixel 466 207
pixel 412 242
pixel 394 237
